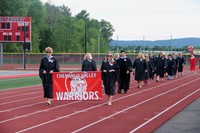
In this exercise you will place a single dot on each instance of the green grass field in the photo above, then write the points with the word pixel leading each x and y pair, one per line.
pixel 19 82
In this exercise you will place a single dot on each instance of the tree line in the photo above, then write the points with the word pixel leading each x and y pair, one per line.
pixel 136 48
pixel 55 26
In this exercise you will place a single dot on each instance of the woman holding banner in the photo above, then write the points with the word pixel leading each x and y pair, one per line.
pixel 48 65
pixel 110 73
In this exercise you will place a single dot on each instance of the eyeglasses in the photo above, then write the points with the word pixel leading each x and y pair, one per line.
pixel 48 52
pixel 109 55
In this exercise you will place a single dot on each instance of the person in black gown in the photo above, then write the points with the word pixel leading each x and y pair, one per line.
pixel 161 65
pixel 48 65
pixel 174 58
pixel 125 65
pixel 181 62
pixel 88 64
pixel 170 67
pixel 140 69
pixel 110 73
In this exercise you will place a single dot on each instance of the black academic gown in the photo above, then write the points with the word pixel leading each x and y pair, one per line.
pixel 89 65
pixel 161 64
pixel 176 64
pixel 47 82
pixel 125 65
pixel 109 78
pixel 140 66
pixel 181 62
pixel 170 67
pixel 150 69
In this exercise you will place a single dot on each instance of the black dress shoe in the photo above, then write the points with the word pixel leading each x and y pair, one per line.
pixel 119 91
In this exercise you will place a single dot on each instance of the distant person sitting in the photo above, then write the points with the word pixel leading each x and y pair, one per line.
pixel 88 64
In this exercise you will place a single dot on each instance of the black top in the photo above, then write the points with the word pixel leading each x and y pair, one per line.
pixel 89 65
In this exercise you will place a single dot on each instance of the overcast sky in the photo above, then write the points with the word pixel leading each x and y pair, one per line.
pixel 142 19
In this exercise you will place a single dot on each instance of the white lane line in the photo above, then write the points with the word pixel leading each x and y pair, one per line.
pixel 53 120
pixel 119 112
pixel 20 95
pixel 39 111
pixel 113 100
pixel 104 103
pixel 19 88
pixel 22 91
pixel 130 87
pixel 24 106
pixel 14 101
pixel 137 128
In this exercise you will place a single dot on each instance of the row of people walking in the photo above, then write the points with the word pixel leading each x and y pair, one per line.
pixel 144 67
pixel 116 69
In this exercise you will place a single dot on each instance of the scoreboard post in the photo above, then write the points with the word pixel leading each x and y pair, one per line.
pixel 16 29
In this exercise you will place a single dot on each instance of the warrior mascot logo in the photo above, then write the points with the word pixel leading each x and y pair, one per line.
pixel 76 88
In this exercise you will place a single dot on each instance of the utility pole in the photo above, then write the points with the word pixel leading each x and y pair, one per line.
pixel 143 43
pixel 24 46
pixel 117 45
pixel 85 37
pixel 171 44
pixel 99 39
pixel 1 54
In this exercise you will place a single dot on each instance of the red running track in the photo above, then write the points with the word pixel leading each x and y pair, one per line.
pixel 140 110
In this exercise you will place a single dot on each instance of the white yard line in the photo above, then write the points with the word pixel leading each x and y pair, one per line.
pixel 19 88
pixel 124 110
pixel 23 94
pixel 37 112
pixel 14 101
pixel 140 126
pixel 22 91
pixel 53 120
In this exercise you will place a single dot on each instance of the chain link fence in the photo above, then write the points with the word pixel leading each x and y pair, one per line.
pixel 66 61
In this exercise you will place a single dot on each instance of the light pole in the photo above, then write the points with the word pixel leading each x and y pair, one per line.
pixel 99 41
pixel 143 43
pixel 117 45
pixel 85 37
pixel 171 44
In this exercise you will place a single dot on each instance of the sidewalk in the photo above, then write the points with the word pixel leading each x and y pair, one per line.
pixel 17 74
pixel 186 121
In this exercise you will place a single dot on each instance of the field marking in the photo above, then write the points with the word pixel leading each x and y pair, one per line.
pixel 24 90
pixel 53 120
pixel 20 95
pixel 124 110
pixel 103 94
pixel 113 100
pixel 24 106
pixel 14 101
pixel 15 78
pixel 36 112
pixel 145 123
pixel 18 88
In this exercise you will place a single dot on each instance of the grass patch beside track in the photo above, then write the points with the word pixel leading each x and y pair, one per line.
pixel 19 82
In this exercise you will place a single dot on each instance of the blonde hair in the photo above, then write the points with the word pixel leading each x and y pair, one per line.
pixel 116 54
pixel 88 56
pixel 111 59
pixel 48 49
pixel 146 56
pixel 161 54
